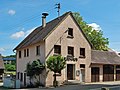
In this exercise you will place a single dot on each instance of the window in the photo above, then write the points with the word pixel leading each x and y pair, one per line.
pixel 82 52
pixel 27 52
pixel 57 49
pixel 19 54
pixel 21 79
pixel 24 52
pixel 70 51
pixel 38 50
pixel 82 65
pixel 70 31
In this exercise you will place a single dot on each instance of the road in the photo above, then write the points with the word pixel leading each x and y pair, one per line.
pixel 74 87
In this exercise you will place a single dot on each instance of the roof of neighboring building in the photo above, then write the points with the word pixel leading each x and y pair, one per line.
pixel 104 57
pixel 9 58
pixel 41 33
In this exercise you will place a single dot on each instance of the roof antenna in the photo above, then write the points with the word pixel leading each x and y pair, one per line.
pixel 58 7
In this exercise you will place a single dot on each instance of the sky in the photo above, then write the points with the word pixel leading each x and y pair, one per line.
pixel 19 17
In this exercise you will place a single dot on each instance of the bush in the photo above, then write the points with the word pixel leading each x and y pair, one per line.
pixel 9 67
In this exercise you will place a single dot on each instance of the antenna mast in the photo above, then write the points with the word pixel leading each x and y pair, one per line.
pixel 58 7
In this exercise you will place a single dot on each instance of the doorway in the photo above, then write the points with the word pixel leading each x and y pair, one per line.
pixel 70 71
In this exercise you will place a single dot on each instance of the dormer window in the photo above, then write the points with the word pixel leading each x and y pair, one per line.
pixel 57 49
pixel 70 32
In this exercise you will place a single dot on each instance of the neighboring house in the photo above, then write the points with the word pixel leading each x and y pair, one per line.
pixel 1 67
pixel 9 60
pixel 61 36
pixel 105 66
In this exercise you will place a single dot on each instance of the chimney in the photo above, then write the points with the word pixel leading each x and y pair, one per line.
pixel 44 19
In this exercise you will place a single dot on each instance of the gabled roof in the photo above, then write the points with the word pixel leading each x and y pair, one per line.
pixel 41 33
pixel 104 57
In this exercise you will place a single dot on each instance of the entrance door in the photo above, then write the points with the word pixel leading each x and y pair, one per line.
pixel 70 71
pixel 108 73
pixel 118 73
pixel 95 74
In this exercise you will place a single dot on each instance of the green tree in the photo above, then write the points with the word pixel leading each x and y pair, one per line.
pixel 29 72
pixel 9 67
pixel 94 36
pixel 35 69
pixel 55 64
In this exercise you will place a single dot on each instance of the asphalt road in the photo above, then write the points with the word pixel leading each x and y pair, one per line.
pixel 75 87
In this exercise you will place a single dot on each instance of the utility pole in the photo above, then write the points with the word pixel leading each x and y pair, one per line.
pixel 58 7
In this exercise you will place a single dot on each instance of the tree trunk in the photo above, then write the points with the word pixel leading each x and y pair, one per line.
pixel 54 82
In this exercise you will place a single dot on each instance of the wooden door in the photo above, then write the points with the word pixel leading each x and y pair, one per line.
pixel 108 73
pixel 70 71
pixel 118 73
pixel 95 74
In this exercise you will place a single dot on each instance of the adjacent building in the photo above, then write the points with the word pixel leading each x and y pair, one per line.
pixel 1 67
pixel 9 60
pixel 63 36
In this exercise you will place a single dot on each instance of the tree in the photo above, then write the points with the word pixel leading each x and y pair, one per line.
pixel 29 72
pixel 94 36
pixel 55 64
pixel 9 67
pixel 35 69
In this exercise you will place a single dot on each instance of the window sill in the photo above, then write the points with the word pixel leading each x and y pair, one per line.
pixel 69 36
pixel 82 56
pixel 56 54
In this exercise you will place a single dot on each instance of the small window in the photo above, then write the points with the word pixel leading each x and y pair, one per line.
pixel 21 79
pixel 38 50
pixel 24 52
pixel 70 31
pixel 27 52
pixel 57 49
pixel 82 65
pixel 19 54
pixel 71 51
pixel 82 52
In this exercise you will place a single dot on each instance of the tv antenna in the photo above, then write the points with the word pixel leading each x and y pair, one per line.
pixel 58 7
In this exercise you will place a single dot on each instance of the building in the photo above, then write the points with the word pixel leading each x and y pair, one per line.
pixel 1 67
pixel 61 36
pixel 9 60
pixel 105 66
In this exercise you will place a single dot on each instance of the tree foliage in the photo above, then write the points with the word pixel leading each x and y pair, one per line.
pixel 55 64
pixel 9 67
pixel 94 36
pixel 34 69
